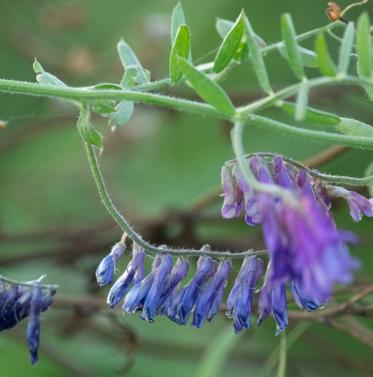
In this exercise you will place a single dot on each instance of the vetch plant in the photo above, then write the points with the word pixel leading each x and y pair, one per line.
pixel 306 254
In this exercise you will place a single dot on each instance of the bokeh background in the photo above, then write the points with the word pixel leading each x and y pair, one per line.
pixel 51 220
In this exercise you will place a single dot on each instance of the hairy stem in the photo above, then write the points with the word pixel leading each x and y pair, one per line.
pixel 340 179
pixel 88 94
pixel 28 283
pixel 329 137
pixel 245 167
pixel 133 235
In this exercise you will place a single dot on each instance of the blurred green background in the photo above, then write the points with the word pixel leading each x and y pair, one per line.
pixel 51 220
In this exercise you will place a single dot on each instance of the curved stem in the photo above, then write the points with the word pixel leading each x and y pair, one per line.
pixel 351 141
pixel 340 179
pixel 353 5
pixel 303 36
pixel 245 167
pixel 28 283
pixel 133 235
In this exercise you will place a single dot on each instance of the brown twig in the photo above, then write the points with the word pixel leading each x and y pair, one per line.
pixel 325 156
pixel 351 326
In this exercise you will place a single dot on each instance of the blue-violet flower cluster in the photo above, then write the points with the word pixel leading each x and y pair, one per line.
pixel 18 301
pixel 308 254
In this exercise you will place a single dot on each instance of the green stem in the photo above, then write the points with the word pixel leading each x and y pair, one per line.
pixel 306 134
pixel 132 234
pixel 28 283
pixel 84 94
pixel 353 181
pixel 281 371
pixel 290 91
pixel 293 336
pixel 246 170
pixel 302 36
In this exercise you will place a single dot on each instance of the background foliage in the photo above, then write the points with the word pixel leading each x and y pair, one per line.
pixel 51 219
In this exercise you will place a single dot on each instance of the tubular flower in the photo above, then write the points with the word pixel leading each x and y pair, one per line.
pixel 186 301
pixel 123 283
pixel 272 300
pixel 240 299
pixel 207 298
pixel 134 299
pixel 106 268
pixel 357 203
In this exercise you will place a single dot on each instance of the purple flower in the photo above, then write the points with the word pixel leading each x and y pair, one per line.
pixel 272 300
pixel 318 256
pixel 207 297
pixel 134 299
pixel 358 204
pixel 303 300
pixel 252 215
pixel 240 298
pixel 123 283
pixel 178 273
pixel 302 239
pixel 106 268
pixel 284 175
pixel 303 242
pixel 186 298
pixel 160 282
pixel 33 328
pixel 233 196
pixel 279 306
pixel 216 304
pixel 21 300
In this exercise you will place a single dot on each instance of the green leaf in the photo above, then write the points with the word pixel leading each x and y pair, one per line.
pixel 230 45
pixel 103 107
pixel 129 59
pixel 257 58
pixel 217 353
pixel 223 27
pixel 363 46
pixel 364 50
pixel 324 61
pixel 354 127
pixel 123 113
pixel 242 54
pixel 177 19
pixel 38 68
pixel 308 56
pixel 130 77
pixel 181 47
pixel 302 102
pixel 107 86
pixel 291 45
pixel 207 89
pixel 346 48
pixel 91 135
pixel 313 116
pixel 46 78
